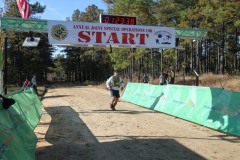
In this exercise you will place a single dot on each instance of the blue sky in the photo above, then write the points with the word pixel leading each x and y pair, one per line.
pixel 60 9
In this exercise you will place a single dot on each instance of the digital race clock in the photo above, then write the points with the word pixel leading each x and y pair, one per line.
pixel 115 19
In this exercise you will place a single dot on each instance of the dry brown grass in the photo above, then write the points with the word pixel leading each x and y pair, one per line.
pixel 228 82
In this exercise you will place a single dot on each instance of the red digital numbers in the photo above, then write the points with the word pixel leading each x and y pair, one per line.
pixel 132 21
pixel 114 19
pixel 122 21
pixel 106 20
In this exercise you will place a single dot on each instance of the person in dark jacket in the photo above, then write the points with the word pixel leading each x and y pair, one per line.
pixel 145 79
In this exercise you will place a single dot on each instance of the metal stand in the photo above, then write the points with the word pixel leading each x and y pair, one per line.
pixel 197 77
pixel 5 69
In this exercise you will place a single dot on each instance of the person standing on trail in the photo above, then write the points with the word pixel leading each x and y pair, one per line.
pixel 172 77
pixel 26 83
pixel 145 79
pixel 114 83
pixel 161 79
pixel 34 83
pixel 166 77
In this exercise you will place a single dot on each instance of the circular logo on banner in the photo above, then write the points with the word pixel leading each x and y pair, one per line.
pixel 59 32
pixel 163 37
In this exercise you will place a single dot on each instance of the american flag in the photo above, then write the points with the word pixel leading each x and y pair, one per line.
pixel 24 8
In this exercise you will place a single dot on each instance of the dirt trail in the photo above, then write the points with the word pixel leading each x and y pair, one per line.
pixel 77 124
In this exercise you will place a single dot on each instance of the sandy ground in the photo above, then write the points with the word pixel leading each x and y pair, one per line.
pixel 77 124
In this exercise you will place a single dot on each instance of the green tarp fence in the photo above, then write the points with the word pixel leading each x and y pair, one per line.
pixel 215 108
pixel 17 138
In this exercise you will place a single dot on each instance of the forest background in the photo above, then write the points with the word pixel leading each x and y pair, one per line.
pixel 216 58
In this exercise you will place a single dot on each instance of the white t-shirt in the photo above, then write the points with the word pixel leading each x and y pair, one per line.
pixel 114 83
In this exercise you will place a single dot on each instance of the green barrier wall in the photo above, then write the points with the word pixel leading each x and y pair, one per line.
pixel 215 108
pixel 17 138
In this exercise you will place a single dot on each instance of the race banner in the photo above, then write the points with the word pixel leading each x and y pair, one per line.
pixel 68 33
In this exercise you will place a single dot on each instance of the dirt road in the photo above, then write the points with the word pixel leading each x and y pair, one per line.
pixel 77 124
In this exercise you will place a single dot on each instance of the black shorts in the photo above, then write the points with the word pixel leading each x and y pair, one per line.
pixel 114 93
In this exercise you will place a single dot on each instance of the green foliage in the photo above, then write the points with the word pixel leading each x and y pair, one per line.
pixel 119 58
pixel 37 8
pixel 23 61
pixel 76 15
pixel 221 18
pixel 59 66
pixel 172 12
pixel 91 14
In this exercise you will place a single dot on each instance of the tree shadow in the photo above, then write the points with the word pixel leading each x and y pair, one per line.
pixel 68 134
pixel 45 97
pixel 224 114
pixel 121 111
pixel 156 101
pixel 215 108
pixel 146 149
pixel 71 139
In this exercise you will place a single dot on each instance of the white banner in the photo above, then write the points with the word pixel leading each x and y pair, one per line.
pixel 102 34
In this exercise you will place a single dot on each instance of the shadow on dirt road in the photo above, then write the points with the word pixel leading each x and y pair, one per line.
pixel 71 139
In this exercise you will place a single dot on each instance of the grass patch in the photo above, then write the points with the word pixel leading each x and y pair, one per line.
pixel 228 82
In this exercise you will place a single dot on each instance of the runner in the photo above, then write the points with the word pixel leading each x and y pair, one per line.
pixel 114 83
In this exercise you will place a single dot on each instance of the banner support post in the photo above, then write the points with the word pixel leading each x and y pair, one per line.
pixel 5 74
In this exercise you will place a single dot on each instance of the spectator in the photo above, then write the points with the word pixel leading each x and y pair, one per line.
pixel 161 79
pixel 172 77
pixel 26 83
pixel 166 81
pixel 34 83
pixel 145 79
